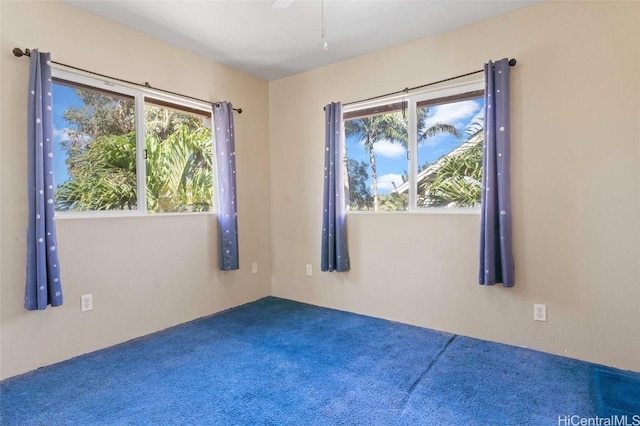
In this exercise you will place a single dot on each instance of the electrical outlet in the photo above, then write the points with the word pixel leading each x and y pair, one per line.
pixel 539 312
pixel 309 270
pixel 254 268
pixel 86 302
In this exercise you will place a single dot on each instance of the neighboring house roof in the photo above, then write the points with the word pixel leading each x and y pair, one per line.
pixel 429 174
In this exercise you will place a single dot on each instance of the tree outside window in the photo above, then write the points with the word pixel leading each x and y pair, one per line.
pixel 97 154
pixel 445 167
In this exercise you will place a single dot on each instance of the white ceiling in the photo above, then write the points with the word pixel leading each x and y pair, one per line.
pixel 273 43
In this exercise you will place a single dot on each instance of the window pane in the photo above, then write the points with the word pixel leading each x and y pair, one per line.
pixel 450 137
pixel 376 161
pixel 179 151
pixel 94 148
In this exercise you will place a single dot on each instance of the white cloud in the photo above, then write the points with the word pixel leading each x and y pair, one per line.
pixel 385 182
pixel 479 117
pixel 457 113
pixel 389 150
pixel 60 134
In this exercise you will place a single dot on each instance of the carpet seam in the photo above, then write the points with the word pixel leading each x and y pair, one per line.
pixel 424 373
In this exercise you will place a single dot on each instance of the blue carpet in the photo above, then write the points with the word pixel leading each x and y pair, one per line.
pixel 278 362
pixel 622 396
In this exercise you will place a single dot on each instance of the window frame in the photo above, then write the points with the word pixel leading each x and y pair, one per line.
pixel 432 94
pixel 139 94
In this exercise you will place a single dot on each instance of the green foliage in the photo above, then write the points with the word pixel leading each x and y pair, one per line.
pixel 376 128
pixel 163 122
pixel 104 176
pixel 180 171
pixel 457 181
pixel 394 201
pixel 101 158
pixel 100 114
pixel 360 197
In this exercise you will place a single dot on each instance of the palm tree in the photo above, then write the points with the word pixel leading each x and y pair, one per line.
pixel 373 129
pixel 101 158
pixel 180 171
pixel 179 153
pixel 104 176
pixel 440 128
pixel 456 181
pixel 392 127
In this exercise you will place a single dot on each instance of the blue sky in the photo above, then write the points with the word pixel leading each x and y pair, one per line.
pixel 391 159
pixel 63 98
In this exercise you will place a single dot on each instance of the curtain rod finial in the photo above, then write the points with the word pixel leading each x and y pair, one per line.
pixel 512 62
pixel 18 52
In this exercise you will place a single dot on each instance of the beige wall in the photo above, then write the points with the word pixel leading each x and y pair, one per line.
pixel 145 274
pixel 576 188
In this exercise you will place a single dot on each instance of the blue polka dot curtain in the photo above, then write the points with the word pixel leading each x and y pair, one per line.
pixel 335 253
pixel 43 285
pixel 226 196
pixel 496 254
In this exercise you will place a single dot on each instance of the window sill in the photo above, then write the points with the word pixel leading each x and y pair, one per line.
pixel 122 214
pixel 426 211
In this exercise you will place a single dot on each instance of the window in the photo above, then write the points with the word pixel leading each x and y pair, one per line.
pixel 376 142
pixel 119 148
pixel 436 165
pixel 179 159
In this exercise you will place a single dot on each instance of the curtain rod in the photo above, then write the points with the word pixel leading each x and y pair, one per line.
pixel 27 52
pixel 512 62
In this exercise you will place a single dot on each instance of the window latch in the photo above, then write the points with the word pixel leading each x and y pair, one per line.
pixel 145 154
